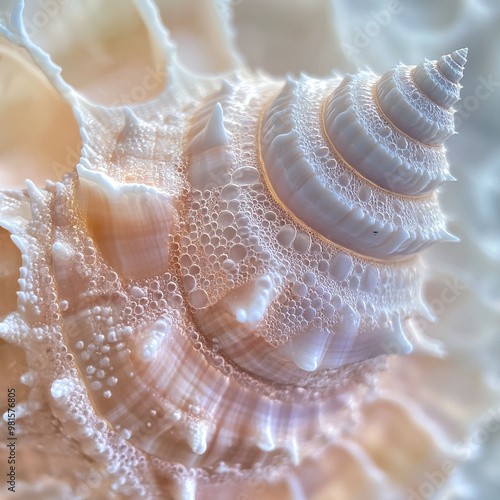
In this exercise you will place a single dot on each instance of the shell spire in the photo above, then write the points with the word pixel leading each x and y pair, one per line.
pixel 381 140
pixel 452 65
pixel 418 101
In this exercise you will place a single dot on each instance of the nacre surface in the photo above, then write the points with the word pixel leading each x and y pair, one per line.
pixel 184 327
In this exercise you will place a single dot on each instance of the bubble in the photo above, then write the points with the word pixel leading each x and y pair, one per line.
pixel 198 298
pixel 137 292
pixel 317 303
pixel 176 300
pixel 299 289
pixel 270 216
pixel 402 143
pixel 309 314
pixel 227 265
pixel 323 266
pixel 286 235
pixel 237 252
pixel 154 285
pixel 329 311
pixel 234 206
pixel 309 279
pixel 354 282
pixel 315 247
pixel 302 242
pixel 384 131
pixel 245 175
pixel 364 193
pixel 340 266
pixel 189 282
pixel 194 270
pixel 230 192
pixel 322 152
pixel 225 218
pixel 344 179
pixel 242 220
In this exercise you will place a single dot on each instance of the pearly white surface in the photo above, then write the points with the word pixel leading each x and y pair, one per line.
pixel 414 31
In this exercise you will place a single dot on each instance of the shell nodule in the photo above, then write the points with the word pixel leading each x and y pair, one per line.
pixel 220 278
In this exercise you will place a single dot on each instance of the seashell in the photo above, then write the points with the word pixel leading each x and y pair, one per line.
pixel 129 223
pixel 211 294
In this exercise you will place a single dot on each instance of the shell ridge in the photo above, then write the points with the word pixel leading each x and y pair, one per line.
pixel 220 283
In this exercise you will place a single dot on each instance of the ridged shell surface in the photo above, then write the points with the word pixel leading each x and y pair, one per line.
pixel 211 295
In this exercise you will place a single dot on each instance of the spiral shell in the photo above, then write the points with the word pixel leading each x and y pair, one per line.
pixel 220 279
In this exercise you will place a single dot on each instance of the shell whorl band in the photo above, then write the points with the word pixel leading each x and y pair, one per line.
pixel 335 185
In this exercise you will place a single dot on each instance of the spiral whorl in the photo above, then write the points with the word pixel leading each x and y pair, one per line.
pixel 385 134
pixel 452 65
pixel 418 101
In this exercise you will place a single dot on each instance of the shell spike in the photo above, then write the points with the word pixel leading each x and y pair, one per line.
pixel 448 237
pixel 196 437
pixel 130 223
pixel 20 243
pixel 131 118
pixel 213 135
pixel 425 345
pixel 210 158
pixel 425 312
pixel 184 489
pixel 290 82
pixel 36 197
pixel 226 88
